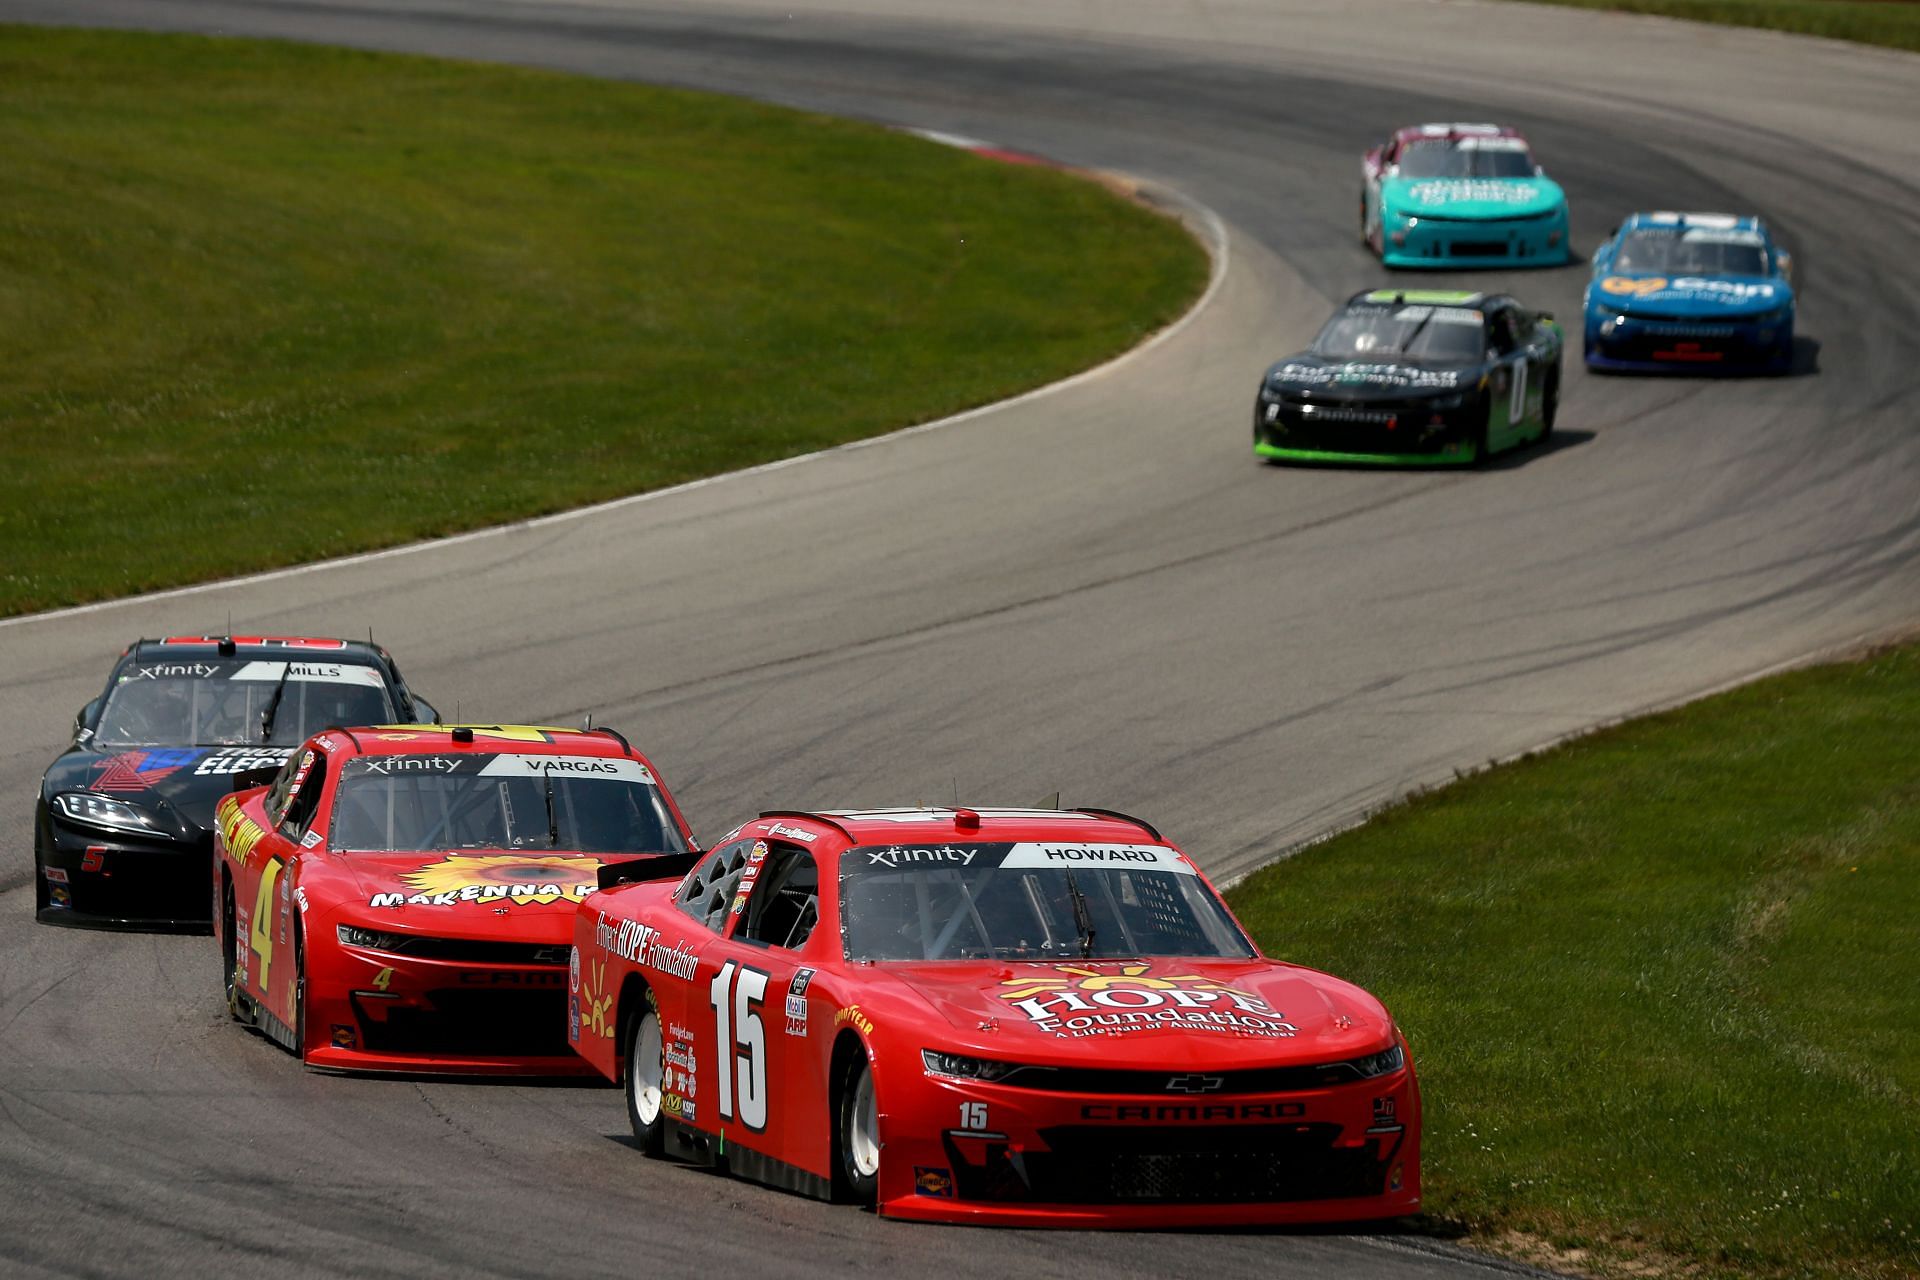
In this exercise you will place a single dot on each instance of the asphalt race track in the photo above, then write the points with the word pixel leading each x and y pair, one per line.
pixel 1095 591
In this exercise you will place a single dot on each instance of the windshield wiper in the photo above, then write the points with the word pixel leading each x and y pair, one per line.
pixel 553 823
pixel 1082 918
pixel 273 704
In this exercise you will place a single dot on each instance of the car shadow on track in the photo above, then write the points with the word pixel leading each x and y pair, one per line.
pixel 1514 459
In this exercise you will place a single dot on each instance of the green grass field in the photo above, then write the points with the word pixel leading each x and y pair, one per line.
pixel 1662 984
pixel 263 303
pixel 1893 23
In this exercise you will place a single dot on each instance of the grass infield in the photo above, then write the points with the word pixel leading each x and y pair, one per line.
pixel 1893 23
pixel 263 303
pixel 1660 983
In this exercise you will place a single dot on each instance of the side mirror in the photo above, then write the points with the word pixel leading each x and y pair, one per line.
pixel 83 718
pixel 1544 315
pixel 424 712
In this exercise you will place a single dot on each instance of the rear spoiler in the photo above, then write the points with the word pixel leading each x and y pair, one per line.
pixel 659 866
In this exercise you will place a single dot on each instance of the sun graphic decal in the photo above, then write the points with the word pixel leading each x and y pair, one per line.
pixel 1134 976
pixel 1090 1002
pixel 503 878
pixel 594 1002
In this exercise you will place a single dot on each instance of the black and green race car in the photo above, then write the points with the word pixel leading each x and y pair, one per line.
pixel 1414 377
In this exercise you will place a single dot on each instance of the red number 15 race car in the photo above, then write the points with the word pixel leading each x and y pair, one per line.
pixel 1011 1016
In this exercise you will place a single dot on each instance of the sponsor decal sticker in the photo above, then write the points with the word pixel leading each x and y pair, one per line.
pixel 642 944
pixel 785 832
pixel 55 875
pixel 930 1180
pixel 345 1036
pixel 1086 1001
pixel 851 1015
pixel 895 855
pixel 140 770
pixel 238 832
pixel 59 895
pixel 502 879
pixel 797 1002
pixel 229 760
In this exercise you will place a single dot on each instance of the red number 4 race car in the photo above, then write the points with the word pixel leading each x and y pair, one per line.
pixel 1019 1016
pixel 402 897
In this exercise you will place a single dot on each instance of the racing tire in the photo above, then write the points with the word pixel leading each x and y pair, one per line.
pixel 299 993
pixel 1483 434
pixel 229 964
pixel 856 1135
pixel 646 1073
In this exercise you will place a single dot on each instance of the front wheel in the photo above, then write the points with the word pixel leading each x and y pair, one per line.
pixel 646 1073
pixel 228 963
pixel 1483 434
pixel 857 1135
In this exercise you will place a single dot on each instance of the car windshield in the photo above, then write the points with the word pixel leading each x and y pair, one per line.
pixel 1692 253
pixel 1468 158
pixel 1029 901
pixel 1445 335
pixel 425 803
pixel 228 703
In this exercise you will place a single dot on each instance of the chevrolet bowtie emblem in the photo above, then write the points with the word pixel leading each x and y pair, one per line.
pixel 1194 1084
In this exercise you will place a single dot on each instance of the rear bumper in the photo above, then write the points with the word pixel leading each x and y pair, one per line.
pixel 1695 351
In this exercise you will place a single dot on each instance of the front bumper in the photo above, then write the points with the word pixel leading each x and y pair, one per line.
pixel 381 1011
pixel 106 880
pixel 1632 345
pixel 1338 1154
pixel 1477 242
pixel 1400 433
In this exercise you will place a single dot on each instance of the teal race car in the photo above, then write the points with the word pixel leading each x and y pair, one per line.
pixel 1461 195
pixel 1414 377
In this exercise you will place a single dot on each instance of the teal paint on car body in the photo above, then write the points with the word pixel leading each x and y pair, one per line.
pixel 1461 195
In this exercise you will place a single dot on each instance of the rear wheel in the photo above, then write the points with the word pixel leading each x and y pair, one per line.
pixel 857 1134
pixel 646 1073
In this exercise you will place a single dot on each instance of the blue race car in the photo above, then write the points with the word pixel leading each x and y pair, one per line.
pixel 1693 292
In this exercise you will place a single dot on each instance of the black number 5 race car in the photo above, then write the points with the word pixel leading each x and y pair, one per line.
pixel 1414 377
pixel 123 832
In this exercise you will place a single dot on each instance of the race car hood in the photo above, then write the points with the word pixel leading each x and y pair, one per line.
pixel 180 784
pixel 1488 198
pixel 1148 1014
pixel 510 893
pixel 1705 297
pixel 1360 380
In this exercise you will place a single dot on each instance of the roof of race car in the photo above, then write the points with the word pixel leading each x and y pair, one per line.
pixel 896 825
pixel 1703 221
pixel 1457 132
pixel 483 739
pixel 1421 297
pixel 347 650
